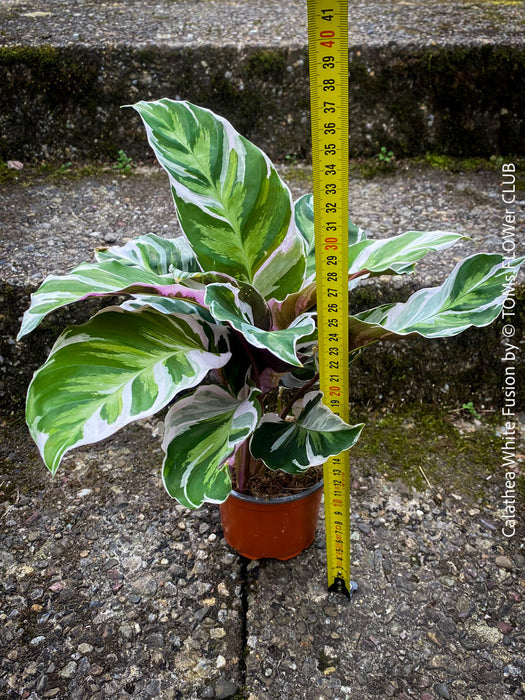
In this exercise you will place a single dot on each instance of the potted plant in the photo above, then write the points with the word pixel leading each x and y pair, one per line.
pixel 220 324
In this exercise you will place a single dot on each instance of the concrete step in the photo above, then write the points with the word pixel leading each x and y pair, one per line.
pixel 449 78
pixel 52 222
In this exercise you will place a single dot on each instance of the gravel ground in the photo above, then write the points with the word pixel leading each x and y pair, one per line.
pixel 438 612
pixel 253 23
pixel 110 590
pixel 43 214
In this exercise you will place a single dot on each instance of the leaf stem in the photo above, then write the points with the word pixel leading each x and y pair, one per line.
pixel 243 470
pixel 358 274
pixel 246 466
pixel 256 375
pixel 299 394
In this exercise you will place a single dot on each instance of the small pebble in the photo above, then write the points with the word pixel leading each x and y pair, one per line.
pixel 217 633
pixel 69 670
pixel 145 585
pixel 225 689
pixel 37 640
pixel 442 691
pixel 504 563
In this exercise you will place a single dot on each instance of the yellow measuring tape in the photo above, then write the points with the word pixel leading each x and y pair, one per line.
pixel 328 58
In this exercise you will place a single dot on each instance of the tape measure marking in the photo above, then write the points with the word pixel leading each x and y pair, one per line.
pixel 328 59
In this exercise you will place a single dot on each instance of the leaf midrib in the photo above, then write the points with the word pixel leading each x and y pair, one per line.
pixel 447 307
pixel 218 196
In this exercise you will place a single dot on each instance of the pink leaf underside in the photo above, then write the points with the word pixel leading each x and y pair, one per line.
pixel 178 291
pixel 286 311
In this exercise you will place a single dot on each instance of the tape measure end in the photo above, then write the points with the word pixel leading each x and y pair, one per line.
pixel 339 586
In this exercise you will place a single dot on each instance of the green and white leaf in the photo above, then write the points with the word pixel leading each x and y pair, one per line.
pixel 284 312
pixel 106 278
pixel 473 295
pixel 167 305
pixel 161 256
pixel 117 368
pixel 394 255
pixel 293 447
pixel 226 306
pixel 201 432
pixel 304 220
pixel 232 205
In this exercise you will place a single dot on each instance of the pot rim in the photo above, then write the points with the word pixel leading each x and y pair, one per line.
pixel 278 499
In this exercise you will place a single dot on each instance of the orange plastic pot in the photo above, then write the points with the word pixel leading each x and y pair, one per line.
pixel 278 528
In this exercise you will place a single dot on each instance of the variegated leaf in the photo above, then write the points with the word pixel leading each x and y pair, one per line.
pixel 304 220
pixel 162 256
pixel 395 255
pixel 231 203
pixel 284 312
pixel 116 368
pixel 106 278
pixel 294 446
pixel 366 257
pixel 227 306
pixel 473 295
pixel 167 305
pixel 201 432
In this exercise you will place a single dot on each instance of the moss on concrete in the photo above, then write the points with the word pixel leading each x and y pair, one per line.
pixel 43 56
pixel 419 443
pixel 63 101
pixel 465 165
pixel 267 64
pixel 56 74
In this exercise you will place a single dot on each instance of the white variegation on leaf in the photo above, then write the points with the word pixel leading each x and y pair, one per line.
pixel 226 306
pixel 473 295
pixel 106 278
pixel 201 431
pixel 163 256
pixel 293 446
pixel 232 205
pixel 304 220
pixel 117 368
pixel 394 255
pixel 167 305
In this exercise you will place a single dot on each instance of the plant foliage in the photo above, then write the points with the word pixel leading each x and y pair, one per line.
pixel 217 319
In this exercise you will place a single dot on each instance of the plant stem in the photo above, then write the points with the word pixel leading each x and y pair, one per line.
pixel 246 466
pixel 358 274
pixel 279 399
pixel 243 470
pixel 256 375
pixel 301 392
